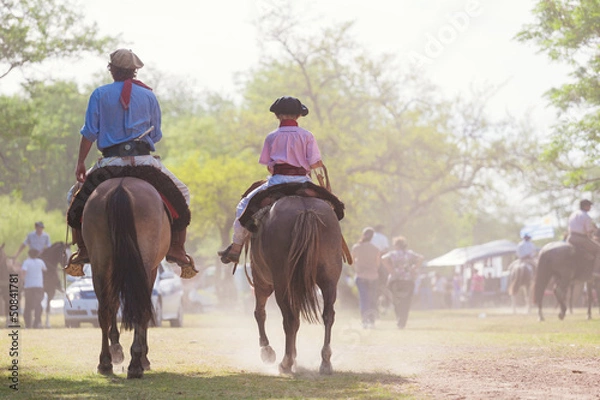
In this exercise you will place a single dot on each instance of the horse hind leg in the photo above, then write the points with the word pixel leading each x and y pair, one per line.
pixel 329 295
pixel 291 324
pixel 267 353
pixel 116 350
pixel 105 366
pixel 139 352
pixel 559 293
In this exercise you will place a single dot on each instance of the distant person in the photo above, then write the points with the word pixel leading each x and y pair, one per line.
pixel 123 118
pixel 581 231
pixel 402 265
pixel 527 251
pixel 37 240
pixel 457 282
pixel 440 288
pixel 367 259
pixel 380 239
pixel 32 272
pixel 477 289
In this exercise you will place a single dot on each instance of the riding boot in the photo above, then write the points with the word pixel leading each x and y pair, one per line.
pixel 178 255
pixel 231 253
pixel 79 258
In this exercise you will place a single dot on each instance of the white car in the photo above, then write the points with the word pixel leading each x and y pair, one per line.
pixel 81 304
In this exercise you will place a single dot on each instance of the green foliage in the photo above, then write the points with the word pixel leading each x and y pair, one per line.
pixel 32 31
pixel 568 32
pixel 18 219
pixel 45 142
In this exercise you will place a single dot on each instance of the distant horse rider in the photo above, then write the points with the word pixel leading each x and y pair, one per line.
pixel 289 152
pixel 581 231
pixel 124 119
pixel 527 251
pixel 37 240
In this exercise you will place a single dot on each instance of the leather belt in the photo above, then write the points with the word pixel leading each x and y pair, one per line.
pixel 287 169
pixel 132 148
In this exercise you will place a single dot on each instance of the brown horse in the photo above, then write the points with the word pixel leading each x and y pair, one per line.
pixel 563 263
pixel 520 280
pixel 127 233
pixel 297 249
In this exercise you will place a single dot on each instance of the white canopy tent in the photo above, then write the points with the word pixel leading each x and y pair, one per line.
pixel 471 254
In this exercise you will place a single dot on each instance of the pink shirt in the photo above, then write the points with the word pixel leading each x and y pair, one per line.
pixel 581 222
pixel 290 145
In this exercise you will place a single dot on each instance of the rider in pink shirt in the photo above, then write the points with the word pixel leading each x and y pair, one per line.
pixel 289 152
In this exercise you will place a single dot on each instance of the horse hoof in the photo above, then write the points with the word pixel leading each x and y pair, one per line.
pixel 135 373
pixel 285 370
pixel 267 354
pixel 116 353
pixel 326 369
pixel 561 316
pixel 146 364
pixel 105 369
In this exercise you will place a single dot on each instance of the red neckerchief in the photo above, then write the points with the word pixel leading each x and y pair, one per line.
pixel 288 122
pixel 126 91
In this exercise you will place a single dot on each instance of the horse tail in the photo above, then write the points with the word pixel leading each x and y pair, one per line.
pixel 128 275
pixel 542 277
pixel 303 260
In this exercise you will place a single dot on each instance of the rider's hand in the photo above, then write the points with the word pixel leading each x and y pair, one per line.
pixel 80 172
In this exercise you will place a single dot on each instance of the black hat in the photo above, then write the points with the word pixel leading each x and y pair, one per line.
pixel 585 203
pixel 288 105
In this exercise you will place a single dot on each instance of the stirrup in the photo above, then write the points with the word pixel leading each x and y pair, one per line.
pixel 75 269
pixel 188 268
pixel 228 256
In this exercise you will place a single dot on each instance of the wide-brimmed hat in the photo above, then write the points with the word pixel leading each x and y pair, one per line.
pixel 126 59
pixel 288 105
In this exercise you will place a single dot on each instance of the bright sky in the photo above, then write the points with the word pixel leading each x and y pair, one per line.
pixel 459 43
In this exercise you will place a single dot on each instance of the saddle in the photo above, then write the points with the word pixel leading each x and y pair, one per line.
pixel 174 201
pixel 267 197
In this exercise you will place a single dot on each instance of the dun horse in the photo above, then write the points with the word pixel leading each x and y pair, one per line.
pixel 127 233
pixel 520 281
pixel 52 257
pixel 563 263
pixel 297 250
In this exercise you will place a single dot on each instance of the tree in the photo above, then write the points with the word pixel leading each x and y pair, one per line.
pixel 32 31
pixel 398 154
pixel 567 31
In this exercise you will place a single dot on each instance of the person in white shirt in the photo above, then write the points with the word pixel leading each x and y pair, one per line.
pixel 527 251
pixel 32 272
pixel 581 231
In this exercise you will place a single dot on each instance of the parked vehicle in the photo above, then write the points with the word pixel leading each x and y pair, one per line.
pixel 81 303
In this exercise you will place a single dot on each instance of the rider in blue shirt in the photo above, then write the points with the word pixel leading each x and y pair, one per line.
pixel 117 114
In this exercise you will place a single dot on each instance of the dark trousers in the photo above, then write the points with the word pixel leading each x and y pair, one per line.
pixel 367 296
pixel 402 292
pixel 33 305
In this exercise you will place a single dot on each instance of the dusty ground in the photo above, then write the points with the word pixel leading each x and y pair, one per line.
pixel 523 378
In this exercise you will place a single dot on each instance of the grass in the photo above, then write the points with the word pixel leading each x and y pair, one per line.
pixel 216 355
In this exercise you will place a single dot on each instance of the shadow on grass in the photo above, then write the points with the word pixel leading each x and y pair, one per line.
pixel 165 385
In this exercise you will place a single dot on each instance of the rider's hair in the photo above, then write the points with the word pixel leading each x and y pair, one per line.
pixel 121 74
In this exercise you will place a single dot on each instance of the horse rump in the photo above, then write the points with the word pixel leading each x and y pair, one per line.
pixel 129 277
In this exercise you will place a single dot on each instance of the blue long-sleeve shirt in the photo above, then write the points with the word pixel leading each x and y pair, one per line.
pixel 108 123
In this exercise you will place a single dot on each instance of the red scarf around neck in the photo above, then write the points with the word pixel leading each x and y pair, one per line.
pixel 126 91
